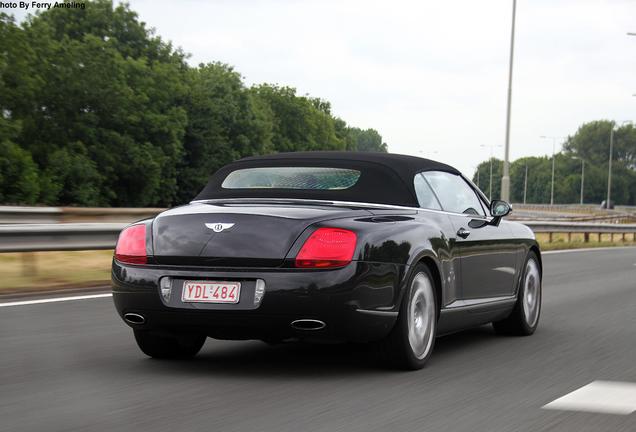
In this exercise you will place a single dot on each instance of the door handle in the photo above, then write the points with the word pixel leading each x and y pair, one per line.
pixel 463 233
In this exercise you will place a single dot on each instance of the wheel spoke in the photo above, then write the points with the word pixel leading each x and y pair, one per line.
pixel 421 315
pixel 531 293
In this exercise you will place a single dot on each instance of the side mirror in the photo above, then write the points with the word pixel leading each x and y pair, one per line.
pixel 498 209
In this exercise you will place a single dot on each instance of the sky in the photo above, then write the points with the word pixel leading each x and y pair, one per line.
pixel 430 76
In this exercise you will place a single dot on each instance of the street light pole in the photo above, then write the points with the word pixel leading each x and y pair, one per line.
pixel 525 184
pixel 492 146
pixel 490 183
pixel 554 138
pixel 552 188
pixel 609 169
pixel 582 178
pixel 505 179
pixel 582 174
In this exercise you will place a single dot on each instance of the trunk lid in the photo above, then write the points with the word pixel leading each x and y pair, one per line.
pixel 235 235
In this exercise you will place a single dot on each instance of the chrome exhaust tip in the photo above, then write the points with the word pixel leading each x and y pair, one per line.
pixel 308 324
pixel 133 318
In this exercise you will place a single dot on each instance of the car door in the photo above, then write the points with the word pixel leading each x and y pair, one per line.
pixel 487 254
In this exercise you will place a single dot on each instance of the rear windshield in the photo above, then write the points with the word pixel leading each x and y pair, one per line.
pixel 308 178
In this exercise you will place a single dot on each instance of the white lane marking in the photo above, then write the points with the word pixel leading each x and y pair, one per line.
pixel 586 250
pixel 607 397
pixel 55 299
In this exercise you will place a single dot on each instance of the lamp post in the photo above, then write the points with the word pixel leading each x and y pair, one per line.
pixel 492 146
pixel 582 178
pixel 505 179
pixel 553 138
pixel 582 174
pixel 477 180
pixel 609 169
pixel 525 184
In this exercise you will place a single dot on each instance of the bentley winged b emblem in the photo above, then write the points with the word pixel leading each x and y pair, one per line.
pixel 217 227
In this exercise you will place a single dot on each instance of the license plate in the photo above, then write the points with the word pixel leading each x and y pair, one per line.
pixel 210 292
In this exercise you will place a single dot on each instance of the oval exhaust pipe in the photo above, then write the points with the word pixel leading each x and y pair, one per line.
pixel 308 324
pixel 133 318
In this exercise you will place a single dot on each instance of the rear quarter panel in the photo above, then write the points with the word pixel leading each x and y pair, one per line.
pixel 402 238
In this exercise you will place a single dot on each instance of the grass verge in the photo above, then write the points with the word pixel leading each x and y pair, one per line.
pixel 577 241
pixel 41 271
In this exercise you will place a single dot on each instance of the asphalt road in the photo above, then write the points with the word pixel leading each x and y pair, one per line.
pixel 73 366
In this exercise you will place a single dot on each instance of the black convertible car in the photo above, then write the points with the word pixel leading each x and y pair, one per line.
pixel 328 246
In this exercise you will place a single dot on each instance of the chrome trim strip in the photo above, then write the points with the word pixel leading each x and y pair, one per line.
pixel 457 304
pixel 334 203
pixel 377 312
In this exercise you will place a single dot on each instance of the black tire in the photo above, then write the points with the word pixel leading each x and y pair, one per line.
pixel 167 345
pixel 520 322
pixel 396 348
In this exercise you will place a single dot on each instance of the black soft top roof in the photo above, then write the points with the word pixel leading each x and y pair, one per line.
pixel 385 178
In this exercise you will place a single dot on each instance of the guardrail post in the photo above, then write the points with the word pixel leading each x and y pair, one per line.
pixel 550 237
pixel 586 237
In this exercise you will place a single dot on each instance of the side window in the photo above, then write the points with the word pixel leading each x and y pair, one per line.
pixel 454 193
pixel 425 195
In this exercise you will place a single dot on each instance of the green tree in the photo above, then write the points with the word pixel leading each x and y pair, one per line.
pixel 224 123
pixel 18 175
pixel 357 139
pixel 95 109
pixel 112 95
pixel 590 144
pixel 299 123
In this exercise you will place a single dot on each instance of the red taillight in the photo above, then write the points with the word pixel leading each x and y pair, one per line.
pixel 131 246
pixel 327 247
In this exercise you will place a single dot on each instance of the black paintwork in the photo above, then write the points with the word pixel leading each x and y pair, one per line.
pixel 477 261
pixel 359 302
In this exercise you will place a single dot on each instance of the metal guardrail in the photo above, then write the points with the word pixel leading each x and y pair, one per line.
pixel 585 228
pixel 50 215
pixel 572 207
pixel 579 227
pixel 59 237
pixel 94 236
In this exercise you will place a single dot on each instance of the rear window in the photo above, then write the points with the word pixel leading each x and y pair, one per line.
pixel 308 178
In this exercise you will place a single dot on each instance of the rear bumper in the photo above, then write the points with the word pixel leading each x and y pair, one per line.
pixel 357 302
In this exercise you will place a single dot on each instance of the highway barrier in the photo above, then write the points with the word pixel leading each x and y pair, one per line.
pixel 94 236
pixel 52 215
pixel 59 237
pixel 624 231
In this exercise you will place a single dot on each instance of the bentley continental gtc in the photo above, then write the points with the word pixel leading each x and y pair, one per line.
pixel 328 247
